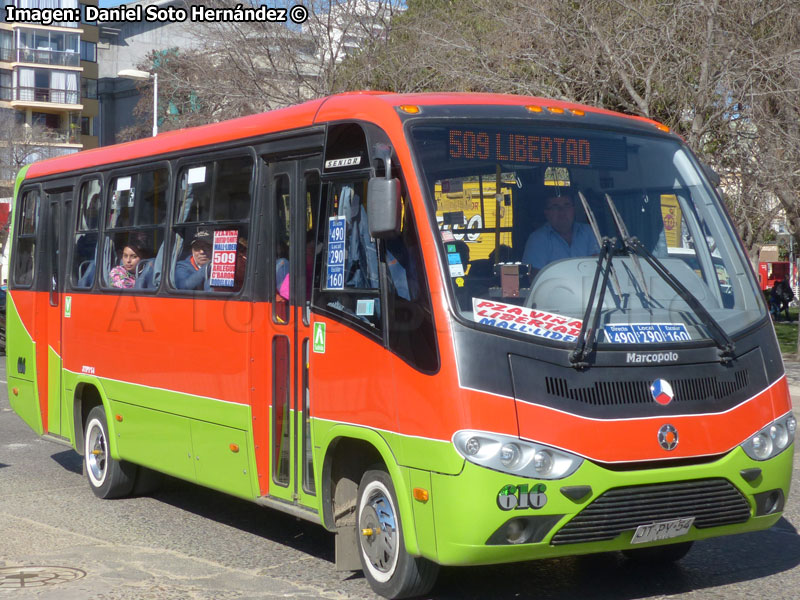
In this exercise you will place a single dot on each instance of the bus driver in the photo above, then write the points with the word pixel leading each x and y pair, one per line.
pixel 561 237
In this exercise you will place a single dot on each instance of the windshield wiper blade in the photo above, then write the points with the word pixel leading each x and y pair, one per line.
pixel 721 339
pixel 593 223
pixel 587 335
pixel 623 232
pixel 633 244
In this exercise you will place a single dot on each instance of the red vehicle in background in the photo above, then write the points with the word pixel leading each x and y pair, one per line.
pixel 770 272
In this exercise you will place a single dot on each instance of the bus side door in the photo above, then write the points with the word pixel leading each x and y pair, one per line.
pixel 294 188
pixel 48 326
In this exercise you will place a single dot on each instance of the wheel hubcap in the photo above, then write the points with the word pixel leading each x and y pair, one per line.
pixel 379 532
pixel 96 456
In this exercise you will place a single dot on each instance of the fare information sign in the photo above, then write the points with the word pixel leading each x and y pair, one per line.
pixel 334 271
pixel 647 333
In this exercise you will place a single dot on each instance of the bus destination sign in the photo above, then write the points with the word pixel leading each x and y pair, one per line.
pixel 521 147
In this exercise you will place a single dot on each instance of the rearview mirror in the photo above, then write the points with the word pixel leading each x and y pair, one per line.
pixel 383 199
pixel 383 207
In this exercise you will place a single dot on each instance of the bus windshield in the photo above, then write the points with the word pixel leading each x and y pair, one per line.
pixel 524 210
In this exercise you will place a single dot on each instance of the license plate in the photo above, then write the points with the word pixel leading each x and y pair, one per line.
pixel 663 530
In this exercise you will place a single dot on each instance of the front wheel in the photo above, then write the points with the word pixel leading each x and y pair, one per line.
pixel 108 478
pixel 390 570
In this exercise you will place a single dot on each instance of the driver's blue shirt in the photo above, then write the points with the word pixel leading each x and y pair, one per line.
pixel 546 245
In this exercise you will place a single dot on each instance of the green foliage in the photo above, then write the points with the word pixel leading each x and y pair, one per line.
pixel 787 333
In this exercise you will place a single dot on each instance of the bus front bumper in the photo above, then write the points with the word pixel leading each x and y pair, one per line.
pixel 485 517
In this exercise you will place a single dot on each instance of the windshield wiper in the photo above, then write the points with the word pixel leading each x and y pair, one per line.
pixel 633 244
pixel 586 336
pixel 623 232
pixel 596 230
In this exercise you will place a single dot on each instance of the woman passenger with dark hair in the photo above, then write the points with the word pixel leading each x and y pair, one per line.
pixel 124 275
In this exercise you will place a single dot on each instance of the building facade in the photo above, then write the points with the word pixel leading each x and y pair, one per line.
pixel 129 45
pixel 48 85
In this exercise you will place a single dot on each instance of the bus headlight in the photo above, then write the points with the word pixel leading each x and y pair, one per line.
pixel 512 455
pixel 772 439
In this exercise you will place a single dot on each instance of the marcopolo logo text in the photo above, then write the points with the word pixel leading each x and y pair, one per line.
pixel 656 357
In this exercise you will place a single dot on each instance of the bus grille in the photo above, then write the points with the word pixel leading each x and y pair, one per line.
pixel 712 502
pixel 603 393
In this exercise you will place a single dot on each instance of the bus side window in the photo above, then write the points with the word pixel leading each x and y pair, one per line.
pixel 86 235
pixel 211 226
pixel 136 218
pixel 411 329
pixel 349 282
pixel 25 250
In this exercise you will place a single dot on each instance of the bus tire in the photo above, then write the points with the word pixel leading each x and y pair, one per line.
pixel 389 569
pixel 659 554
pixel 108 478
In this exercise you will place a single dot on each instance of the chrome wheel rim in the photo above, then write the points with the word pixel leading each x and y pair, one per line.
pixel 96 451
pixel 379 532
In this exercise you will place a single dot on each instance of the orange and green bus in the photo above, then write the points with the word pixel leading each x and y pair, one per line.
pixel 278 307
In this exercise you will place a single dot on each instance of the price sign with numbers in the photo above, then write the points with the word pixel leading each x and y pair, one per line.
pixel 647 333
pixel 334 272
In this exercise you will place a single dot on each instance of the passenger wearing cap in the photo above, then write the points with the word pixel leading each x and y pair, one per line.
pixel 192 272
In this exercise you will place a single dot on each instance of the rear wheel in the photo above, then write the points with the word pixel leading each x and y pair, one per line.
pixel 390 570
pixel 659 554
pixel 108 478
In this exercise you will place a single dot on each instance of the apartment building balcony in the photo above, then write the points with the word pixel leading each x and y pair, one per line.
pixel 56 58
pixel 58 136
pixel 35 97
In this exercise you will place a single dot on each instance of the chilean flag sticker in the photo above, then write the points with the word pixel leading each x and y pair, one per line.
pixel 662 392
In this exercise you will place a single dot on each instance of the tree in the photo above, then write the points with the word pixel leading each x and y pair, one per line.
pixel 724 75
pixel 20 145
pixel 243 68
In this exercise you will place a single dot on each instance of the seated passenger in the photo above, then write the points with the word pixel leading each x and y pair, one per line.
pixel 191 273
pixel 124 275
pixel 561 237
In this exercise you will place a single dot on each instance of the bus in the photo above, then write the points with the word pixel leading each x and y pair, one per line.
pixel 275 307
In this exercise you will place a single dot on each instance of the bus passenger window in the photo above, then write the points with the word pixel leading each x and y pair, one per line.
pixel 26 239
pixel 212 224
pixel 86 235
pixel 135 222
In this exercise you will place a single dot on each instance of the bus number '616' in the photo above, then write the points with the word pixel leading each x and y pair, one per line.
pixel 518 497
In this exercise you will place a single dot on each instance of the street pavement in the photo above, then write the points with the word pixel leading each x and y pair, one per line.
pixel 187 542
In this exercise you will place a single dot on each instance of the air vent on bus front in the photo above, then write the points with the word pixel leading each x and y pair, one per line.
pixel 712 503
pixel 605 393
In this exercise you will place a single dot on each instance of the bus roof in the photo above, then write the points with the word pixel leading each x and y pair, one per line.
pixel 365 105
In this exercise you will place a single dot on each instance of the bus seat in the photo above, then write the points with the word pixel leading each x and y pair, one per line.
pixel 144 274
pixel 86 274
pixel 148 271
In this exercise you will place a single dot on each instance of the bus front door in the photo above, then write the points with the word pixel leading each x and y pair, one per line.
pixel 295 195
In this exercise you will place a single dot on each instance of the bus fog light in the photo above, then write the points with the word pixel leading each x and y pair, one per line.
pixel 510 455
pixel 762 446
pixel 515 531
pixel 779 436
pixel 543 462
pixel 473 446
